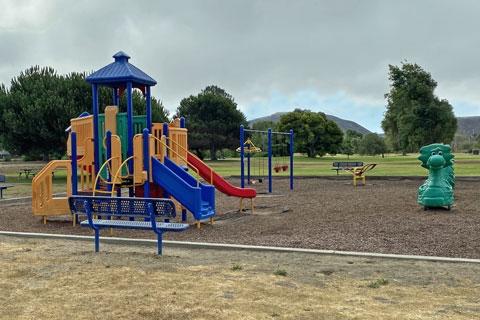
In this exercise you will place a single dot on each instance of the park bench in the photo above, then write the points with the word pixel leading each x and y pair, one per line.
pixel 148 209
pixel 341 165
pixel 3 179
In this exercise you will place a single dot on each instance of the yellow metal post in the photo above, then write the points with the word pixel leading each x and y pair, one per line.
pixel 198 224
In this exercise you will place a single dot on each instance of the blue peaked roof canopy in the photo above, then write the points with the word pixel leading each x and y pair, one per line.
pixel 118 73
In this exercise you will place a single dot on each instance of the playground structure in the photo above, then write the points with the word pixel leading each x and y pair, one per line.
pixel 437 190
pixel 113 153
pixel 247 147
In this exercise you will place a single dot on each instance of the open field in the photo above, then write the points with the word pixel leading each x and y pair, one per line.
pixel 58 279
pixel 390 165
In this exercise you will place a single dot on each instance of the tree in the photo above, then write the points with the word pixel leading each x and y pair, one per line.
pixel 415 116
pixel 351 142
pixel 313 133
pixel 40 103
pixel 213 120
pixel 372 144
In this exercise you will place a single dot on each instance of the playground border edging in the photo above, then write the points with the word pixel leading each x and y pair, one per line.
pixel 221 246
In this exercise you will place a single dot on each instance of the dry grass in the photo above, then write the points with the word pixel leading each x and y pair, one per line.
pixel 51 279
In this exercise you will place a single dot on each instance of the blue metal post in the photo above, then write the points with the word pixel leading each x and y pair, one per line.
pixel 269 160
pixel 130 125
pixel 149 109
pixel 109 155
pixel 291 159
pixel 74 163
pixel 184 214
pixel 115 96
pixel 242 169
pixel 182 122
pixel 95 129
pixel 146 162
pixel 165 133
pixel 248 163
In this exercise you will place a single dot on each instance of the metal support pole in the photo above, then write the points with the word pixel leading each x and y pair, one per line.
pixel 149 109
pixel 146 163
pixel 242 167
pixel 96 161
pixel 269 160
pixel 248 163
pixel 291 159
pixel 74 162
pixel 165 133
pixel 130 126
pixel 115 97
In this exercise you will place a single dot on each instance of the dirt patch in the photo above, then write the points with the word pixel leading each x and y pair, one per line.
pixel 58 279
pixel 382 217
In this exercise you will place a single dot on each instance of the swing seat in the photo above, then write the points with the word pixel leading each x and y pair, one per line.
pixel 277 169
pixel 284 168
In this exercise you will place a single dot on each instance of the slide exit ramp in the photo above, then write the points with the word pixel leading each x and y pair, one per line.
pixel 182 186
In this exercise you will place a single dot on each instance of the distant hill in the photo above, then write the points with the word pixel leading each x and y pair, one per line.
pixel 468 126
pixel 341 123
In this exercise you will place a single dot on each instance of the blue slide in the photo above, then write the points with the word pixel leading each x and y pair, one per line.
pixel 183 187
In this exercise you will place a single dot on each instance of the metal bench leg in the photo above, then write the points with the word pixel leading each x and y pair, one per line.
pixel 159 243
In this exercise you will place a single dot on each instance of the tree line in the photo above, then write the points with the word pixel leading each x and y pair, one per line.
pixel 38 106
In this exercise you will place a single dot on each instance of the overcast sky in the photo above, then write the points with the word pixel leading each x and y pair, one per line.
pixel 329 56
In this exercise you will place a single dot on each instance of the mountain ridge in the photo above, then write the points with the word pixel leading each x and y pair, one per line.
pixel 341 123
pixel 467 126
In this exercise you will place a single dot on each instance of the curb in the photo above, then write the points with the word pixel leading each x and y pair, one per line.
pixel 221 246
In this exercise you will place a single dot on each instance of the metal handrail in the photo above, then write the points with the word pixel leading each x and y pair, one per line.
pixel 186 161
pixel 119 170
pixel 206 165
pixel 99 175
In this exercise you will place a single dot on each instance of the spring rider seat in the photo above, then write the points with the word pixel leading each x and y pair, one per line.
pixel 437 190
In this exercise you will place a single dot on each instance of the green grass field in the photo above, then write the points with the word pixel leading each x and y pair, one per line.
pixel 390 165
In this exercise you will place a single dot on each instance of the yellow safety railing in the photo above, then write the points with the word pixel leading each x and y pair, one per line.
pixel 43 202
pixel 184 159
pixel 99 176
pixel 206 165
pixel 120 171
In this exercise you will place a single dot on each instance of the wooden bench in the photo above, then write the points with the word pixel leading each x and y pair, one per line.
pixel 3 179
pixel 341 165
pixel 149 209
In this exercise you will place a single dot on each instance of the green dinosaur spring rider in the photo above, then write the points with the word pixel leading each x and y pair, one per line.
pixel 437 190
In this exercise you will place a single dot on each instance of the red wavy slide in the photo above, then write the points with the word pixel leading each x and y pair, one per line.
pixel 221 184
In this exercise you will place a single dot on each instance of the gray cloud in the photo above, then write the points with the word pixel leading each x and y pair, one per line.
pixel 254 49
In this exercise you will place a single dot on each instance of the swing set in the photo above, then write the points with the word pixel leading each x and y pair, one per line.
pixel 248 148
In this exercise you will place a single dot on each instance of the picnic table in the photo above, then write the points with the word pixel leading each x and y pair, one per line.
pixel 27 172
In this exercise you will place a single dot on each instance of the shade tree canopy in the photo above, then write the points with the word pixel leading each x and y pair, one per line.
pixel 39 104
pixel 415 116
pixel 313 133
pixel 213 120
